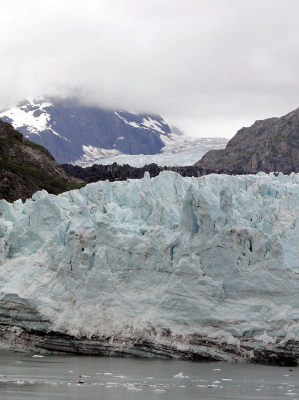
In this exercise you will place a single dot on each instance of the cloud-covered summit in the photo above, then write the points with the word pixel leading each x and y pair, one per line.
pixel 209 67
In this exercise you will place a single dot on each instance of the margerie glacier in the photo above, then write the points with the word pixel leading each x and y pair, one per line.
pixel 195 268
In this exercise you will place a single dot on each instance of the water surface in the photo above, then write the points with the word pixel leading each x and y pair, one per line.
pixel 78 377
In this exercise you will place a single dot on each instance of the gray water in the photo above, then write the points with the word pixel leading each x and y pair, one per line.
pixel 76 377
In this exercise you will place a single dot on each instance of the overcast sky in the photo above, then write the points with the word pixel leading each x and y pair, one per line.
pixel 208 66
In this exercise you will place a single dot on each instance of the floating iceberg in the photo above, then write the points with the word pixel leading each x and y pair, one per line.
pixel 194 268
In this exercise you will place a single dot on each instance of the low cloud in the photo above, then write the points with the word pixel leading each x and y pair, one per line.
pixel 208 66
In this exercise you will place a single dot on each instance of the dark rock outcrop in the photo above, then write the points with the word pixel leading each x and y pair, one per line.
pixel 26 167
pixel 268 145
pixel 36 335
pixel 115 172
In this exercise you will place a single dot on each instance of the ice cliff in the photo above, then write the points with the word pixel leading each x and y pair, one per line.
pixel 195 268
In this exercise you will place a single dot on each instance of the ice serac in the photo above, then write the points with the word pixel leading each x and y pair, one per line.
pixel 194 268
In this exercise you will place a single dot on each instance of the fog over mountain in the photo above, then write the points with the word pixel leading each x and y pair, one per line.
pixel 209 67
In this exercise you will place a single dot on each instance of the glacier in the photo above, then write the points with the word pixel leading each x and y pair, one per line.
pixel 192 268
pixel 179 150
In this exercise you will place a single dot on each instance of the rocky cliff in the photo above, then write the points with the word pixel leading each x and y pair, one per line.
pixel 26 167
pixel 268 145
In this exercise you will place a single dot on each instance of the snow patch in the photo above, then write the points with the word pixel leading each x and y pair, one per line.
pixel 147 123
pixel 152 124
pixel 33 115
pixel 134 124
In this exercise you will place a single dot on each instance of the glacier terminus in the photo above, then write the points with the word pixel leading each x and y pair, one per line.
pixel 192 268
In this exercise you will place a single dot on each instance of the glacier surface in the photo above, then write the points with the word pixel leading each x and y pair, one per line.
pixel 195 268
pixel 179 150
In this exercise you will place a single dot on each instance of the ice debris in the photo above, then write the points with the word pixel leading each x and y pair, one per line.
pixel 181 375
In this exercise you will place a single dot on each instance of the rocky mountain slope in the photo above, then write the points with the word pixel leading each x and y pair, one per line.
pixel 26 167
pixel 87 135
pixel 268 145
pixel 193 268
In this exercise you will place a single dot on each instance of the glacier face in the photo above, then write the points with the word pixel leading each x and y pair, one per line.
pixel 196 268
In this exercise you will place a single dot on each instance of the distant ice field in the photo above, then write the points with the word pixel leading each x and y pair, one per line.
pixel 140 160
pixel 179 150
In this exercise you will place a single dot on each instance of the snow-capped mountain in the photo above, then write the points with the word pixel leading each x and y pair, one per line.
pixel 194 268
pixel 64 126
pixel 86 135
